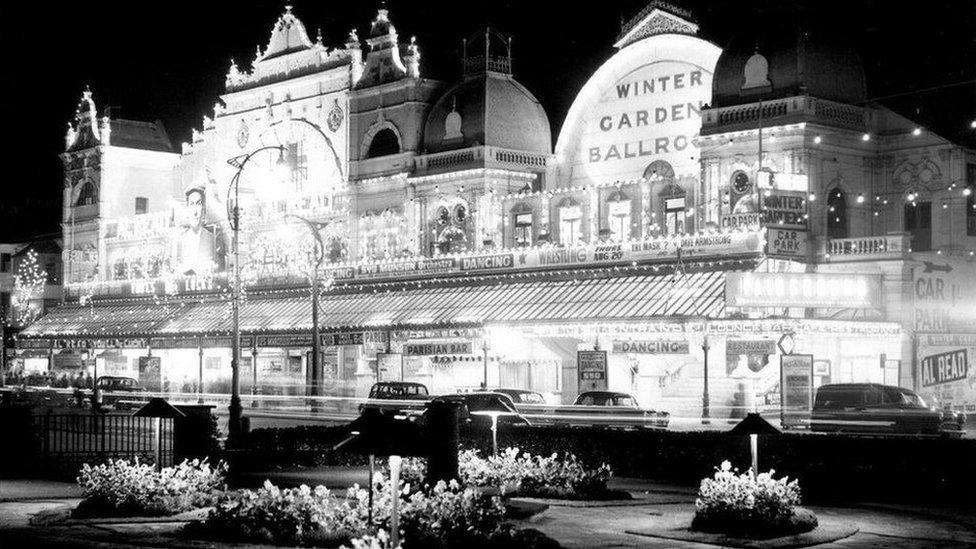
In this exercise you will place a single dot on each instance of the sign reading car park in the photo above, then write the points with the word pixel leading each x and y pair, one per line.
pixel 786 243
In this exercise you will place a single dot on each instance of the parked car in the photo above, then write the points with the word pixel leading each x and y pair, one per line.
pixel 121 392
pixel 390 395
pixel 613 409
pixel 475 405
pixel 521 396
pixel 873 408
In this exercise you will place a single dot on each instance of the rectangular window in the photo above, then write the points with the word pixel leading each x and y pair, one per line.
pixel 4 263
pixel 570 225
pixel 142 205
pixel 523 230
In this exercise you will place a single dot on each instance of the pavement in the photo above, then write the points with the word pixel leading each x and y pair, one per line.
pixel 33 514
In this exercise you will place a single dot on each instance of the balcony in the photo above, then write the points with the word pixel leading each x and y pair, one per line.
pixel 890 246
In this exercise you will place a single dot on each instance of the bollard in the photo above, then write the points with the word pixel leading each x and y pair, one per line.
pixel 442 440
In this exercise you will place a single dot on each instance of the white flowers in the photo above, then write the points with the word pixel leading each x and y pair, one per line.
pixel 747 496
pixel 527 474
pixel 137 487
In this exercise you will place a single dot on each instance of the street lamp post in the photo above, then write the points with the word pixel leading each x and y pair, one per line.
pixel 316 344
pixel 234 216
pixel 485 348
pixel 705 399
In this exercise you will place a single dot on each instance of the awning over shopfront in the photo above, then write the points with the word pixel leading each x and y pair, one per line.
pixel 533 300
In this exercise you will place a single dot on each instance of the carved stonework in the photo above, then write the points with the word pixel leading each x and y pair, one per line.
pixel 922 174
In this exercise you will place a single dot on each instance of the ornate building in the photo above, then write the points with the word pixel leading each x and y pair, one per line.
pixel 695 199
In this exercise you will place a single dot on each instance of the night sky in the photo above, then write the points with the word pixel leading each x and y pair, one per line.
pixel 167 60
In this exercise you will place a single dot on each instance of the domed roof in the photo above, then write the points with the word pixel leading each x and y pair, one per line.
pixel 780 57
pixel 488 108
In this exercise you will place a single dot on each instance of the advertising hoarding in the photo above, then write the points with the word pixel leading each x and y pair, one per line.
pixel 796 389
pixel 946 369
pixel 592 366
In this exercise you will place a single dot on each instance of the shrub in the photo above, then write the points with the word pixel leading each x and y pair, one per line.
pixel 528 475
pixel 285 516
pixel 747 504
pixel 121 487
pixel 450 516
pixel 380 540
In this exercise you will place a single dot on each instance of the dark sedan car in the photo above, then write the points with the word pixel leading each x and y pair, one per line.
pixel 476 408
pixel 872 408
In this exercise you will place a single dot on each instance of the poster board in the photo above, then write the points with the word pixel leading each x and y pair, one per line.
pixel 796 390
pixel 592 366
pixel 150 373
pixel 947 370
pixel 389 367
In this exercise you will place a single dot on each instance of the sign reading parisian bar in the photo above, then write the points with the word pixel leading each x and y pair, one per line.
pixel 651 250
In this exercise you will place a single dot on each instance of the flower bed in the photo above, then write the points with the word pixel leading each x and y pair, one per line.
pixel 523 474
pixel 748 505
pixel 124 488
pixel 443 515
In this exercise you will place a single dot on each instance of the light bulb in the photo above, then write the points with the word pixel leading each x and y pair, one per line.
pixel 967 191
pixel 917 132
pixel 860 199
pixel 866 137
pixel 812 197
pixel 817 139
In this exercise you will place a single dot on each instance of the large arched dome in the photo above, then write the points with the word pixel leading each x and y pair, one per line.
pixel 802 58
pixel 488 108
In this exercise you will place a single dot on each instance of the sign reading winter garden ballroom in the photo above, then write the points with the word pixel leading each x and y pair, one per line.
pixel 829 290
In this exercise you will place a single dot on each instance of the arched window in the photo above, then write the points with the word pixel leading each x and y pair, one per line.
pixel 836 214
pixel 384 143
pixel 87 196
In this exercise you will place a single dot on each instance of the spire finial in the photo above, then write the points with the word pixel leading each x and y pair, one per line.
pixel 288 9
pixel 318 35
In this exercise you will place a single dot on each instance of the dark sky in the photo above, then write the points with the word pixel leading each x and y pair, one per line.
pixel 167 60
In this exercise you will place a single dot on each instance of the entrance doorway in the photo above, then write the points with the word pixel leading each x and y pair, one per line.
pixel 918 222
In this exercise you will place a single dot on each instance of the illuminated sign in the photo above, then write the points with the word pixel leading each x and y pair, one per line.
pixel 796 387
pixel 750 347
pixel 740 220
pixel 427 348
pixel 844 291
pixel 784 209
pixel 643 105
pixel 651 347
pixel 945 296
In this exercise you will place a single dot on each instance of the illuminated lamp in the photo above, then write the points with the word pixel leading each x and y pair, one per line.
pixel 866 137
pixel 754 425
pixel 860 198
pixel 911 196
pixel 967 191
pixel 812 197
pixel 917 132
pixel 973 124
pixel 817 139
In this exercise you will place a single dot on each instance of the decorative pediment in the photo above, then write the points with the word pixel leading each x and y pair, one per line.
pixel 657 18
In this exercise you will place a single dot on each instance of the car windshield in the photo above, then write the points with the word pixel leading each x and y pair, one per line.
pixel 606 400
pixel 912 400
pixel 531 398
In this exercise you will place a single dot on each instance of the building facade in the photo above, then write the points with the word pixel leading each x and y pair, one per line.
pixel 707 222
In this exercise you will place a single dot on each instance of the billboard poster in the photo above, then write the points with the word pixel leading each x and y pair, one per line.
pixel 389 367
pixel 946 372
pixel 796 389
pixel 150 373
pixel 592 367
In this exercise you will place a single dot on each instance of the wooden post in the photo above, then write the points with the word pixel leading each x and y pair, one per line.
pixel 372 475
pixel 157 447
pixel 754 450
pixel 395 462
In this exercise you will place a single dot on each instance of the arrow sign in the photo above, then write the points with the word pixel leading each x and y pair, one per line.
pixel 932 267
pixel 788 338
